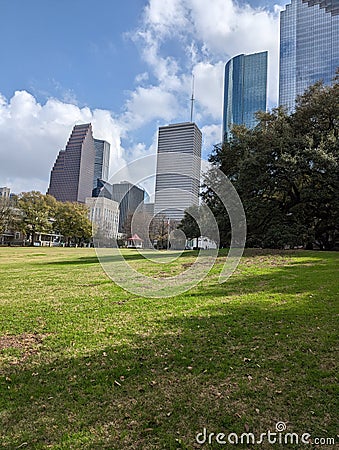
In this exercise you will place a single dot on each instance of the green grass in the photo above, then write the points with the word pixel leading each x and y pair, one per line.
pixel 86 365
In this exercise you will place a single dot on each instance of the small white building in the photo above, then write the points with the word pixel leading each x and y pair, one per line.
pixel 5 192
pixel 204 243
pixel 104 213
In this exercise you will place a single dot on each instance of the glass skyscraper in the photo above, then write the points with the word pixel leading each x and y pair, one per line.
pixel 245 90
pixel 309 46
pixel 101 163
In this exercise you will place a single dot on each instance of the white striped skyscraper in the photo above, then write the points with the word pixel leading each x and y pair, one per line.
pixel 178 169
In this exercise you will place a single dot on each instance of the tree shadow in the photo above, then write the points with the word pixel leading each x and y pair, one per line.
pixel 157 386
pixel 294 278
pixel 163 255
pixel 154 381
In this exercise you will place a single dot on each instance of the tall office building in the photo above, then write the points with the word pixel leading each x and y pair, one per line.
pixel 245 90
pixel 72 174
pixel 101 164
pixel 309 46
pixel 178 169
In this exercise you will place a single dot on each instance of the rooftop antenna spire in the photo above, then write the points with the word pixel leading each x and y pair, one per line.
pixel 192 98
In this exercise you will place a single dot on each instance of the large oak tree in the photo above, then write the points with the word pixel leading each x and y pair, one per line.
pixel 286 173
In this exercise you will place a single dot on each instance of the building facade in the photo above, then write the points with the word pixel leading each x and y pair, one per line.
pixel 129 197
pixel 102 189
pixel 148 208
pixel 178 169
pixel 104 213
pixel 245 90
pixel 101 163
pixel 309 47
pixel 5 192
pixel 73 172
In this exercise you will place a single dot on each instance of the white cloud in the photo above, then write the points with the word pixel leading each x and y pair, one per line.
pixel 147 104
pixel 31 135
pixel 208 92
pixel 211 136
pixel 212 32
pixel 141 77
pixel 166 16
pixel 138 172
pixel 226 28
pixel 177 38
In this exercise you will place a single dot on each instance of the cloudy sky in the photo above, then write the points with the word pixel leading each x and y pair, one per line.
pixel 126 66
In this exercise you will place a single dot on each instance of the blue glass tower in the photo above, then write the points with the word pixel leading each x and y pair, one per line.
pixel 245 90
pixel 309 46
pixel 101 163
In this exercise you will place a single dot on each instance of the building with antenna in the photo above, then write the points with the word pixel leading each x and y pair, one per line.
pixel 192 99
pixel 178 169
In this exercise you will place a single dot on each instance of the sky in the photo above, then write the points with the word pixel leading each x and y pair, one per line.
pixel 125 66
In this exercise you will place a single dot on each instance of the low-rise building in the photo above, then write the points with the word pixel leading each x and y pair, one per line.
pixel 5 192
pixel 104 214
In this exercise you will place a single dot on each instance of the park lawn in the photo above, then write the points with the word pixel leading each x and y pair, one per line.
pixel 87 365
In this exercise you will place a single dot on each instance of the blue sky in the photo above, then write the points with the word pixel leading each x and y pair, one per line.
pixel 70 49
pixel 125 66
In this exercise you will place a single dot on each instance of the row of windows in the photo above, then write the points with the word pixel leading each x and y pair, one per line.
pixel 309 39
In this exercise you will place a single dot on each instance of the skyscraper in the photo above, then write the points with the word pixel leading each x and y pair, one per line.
pixel 72 174
pixel 178 169
pixel 309 46
pixel 101 164
pixel 245 90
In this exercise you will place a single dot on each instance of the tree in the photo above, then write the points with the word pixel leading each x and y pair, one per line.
pixel 286 172
pixel 5 214
pixel 159 231
pixel 71 220
pixel 189 223
pixel 199 221
pixel 36 212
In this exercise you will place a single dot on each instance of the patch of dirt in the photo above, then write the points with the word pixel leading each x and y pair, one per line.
pixel 28 343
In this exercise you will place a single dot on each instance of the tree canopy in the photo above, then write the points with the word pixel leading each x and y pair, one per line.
pixel 36 212
pixel 71 220
pixel 286 173
pixel 33 212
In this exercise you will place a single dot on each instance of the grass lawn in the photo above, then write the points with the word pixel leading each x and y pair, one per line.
pixel 86 365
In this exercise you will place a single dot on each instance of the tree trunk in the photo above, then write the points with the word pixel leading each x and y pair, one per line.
pixel 33 236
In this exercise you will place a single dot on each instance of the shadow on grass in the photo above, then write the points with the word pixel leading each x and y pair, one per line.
pixel 112 258
pixel 155 388
pixel 131 256
pixel 162 378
